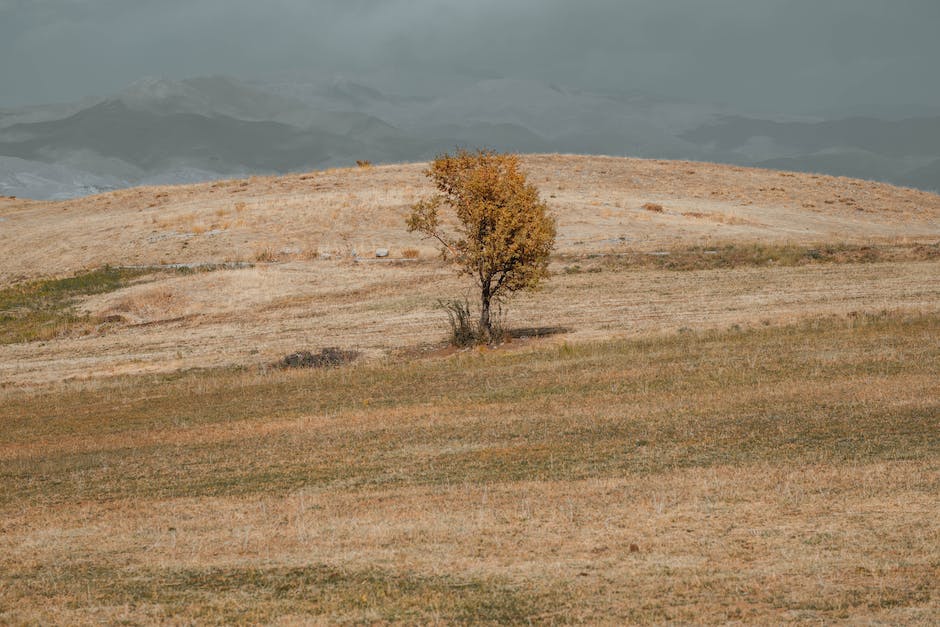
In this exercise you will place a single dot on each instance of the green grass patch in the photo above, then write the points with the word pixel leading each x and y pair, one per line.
pixel 44 309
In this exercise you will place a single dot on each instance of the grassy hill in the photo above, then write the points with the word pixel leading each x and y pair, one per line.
pixel 722 407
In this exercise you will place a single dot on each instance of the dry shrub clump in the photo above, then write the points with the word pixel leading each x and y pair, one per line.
pixel 326 358
pixel 265 254
pixel 410 253
pixel 465 331
pixel 654 207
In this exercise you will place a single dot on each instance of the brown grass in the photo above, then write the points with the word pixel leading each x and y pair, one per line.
pixel 721 218
pixel 734 255
pixel 265 254
pixel 257 315
pixel 743 429
pixel 787 474
pixel 37 311
pixel 148 304
pixel 597 200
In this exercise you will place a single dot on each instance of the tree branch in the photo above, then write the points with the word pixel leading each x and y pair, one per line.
pixel 444 242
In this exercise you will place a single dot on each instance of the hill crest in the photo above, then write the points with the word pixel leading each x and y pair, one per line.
pixel 599 202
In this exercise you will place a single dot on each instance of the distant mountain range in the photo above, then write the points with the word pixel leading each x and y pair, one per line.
pixel 899 151
pixel 159 131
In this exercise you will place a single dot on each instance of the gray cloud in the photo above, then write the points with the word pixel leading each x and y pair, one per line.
pixel 788 55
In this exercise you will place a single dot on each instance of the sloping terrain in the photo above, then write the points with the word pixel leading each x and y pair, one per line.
pixel 294 268
pixel 722 407
pixel 777 475
pixel 599 202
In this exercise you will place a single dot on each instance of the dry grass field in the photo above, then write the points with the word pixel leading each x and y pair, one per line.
pixel 736 418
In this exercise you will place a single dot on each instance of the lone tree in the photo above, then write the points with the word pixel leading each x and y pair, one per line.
pixel 504 233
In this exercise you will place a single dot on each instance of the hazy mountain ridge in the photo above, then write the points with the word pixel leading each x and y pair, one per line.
pixel 160 131
pixel 899 138
pixel 152 142
pixel 926 177
pixel 203 128
pixel 894 151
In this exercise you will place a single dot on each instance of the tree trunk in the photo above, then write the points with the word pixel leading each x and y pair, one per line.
pixel 486 327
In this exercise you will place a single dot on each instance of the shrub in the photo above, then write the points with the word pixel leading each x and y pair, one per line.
pixel 326 358
pixel 265 254
pixel 465 330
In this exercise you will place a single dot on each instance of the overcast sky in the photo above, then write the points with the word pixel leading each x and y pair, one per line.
pixel 776 55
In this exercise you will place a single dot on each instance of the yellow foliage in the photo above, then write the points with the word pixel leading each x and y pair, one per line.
pixel 505 232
